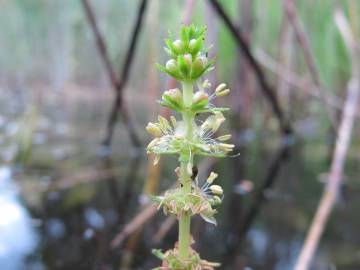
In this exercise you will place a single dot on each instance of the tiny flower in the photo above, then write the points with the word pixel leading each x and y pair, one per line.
pixel 220 88
pixel 226 147
pixel 164 124
pixel 211 177
pixel 224 137
pixel 216 190
pixel 213 122
pixel 153 143
pixel 223 93
pixel 153 129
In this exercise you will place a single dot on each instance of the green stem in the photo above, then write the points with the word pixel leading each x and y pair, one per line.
pixel 185 177
pixel 185 219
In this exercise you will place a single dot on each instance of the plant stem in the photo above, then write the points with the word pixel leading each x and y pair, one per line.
pixel 185 177
pixel 185 219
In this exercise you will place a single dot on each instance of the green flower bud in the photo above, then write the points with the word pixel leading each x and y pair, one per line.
pixel 153 129
pixel 173 99
pixel 192 44
pixel 174 94
pixel 195 46
pixel 188 59
pixel 200 99
pixel 184 65
pixel 178 45
pixel 216 190
pixel 172 66
pixel 198 66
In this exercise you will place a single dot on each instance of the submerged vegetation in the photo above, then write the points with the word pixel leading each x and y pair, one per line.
pixel 188 138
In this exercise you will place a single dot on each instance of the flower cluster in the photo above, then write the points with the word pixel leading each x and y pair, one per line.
pixel 202 201
pixel 187 62
pixel 170 137
pixel 201 101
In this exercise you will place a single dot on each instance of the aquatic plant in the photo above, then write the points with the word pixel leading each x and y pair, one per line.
pixel 187 138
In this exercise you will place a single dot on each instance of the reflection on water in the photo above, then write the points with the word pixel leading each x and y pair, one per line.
pixel 18 238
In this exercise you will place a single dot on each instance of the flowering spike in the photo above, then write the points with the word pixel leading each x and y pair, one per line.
pixel 188 63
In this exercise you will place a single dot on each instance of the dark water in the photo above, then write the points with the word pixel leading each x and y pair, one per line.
pixel 62 209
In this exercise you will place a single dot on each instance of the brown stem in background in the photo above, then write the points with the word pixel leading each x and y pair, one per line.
pixel 285 57
pixel 291 78
pixel 117 83
pixel 265 86
pixel 303 40
pixel 335 179
pixel 100 43
pixel 124 78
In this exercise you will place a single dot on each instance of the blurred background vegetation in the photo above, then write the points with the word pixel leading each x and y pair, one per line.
pixel 74 196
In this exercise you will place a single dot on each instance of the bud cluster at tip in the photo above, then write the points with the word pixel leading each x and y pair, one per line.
pixel 188 61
